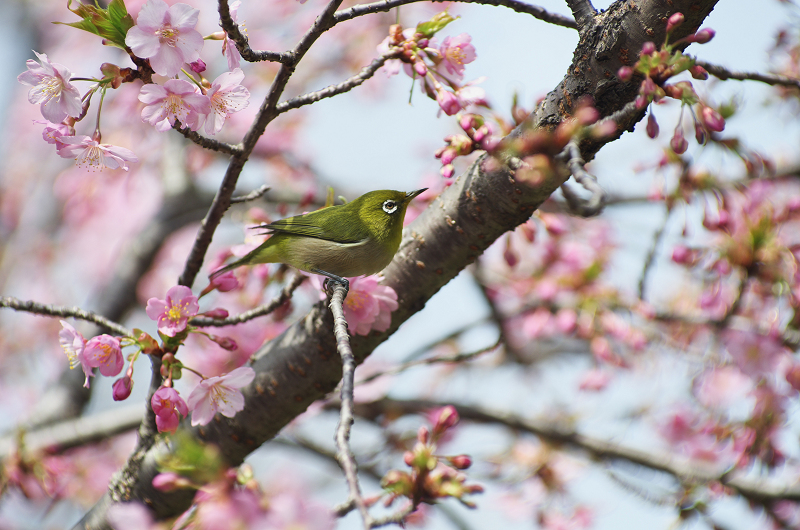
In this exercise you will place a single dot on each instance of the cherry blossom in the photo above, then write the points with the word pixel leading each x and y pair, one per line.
pixel 456 52
pixel 369 305
pixel 226 96
pixel 175 100
pixel 166 36
pixel 94 156
pixel 168 407
pixel 104 352
pixel 173 313
pixel 56 96
pixel 229 48
pixel 73 344
pixel 219 394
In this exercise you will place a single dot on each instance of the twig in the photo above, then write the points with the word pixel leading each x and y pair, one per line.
pixel 253 195
pixel 343 452
pixel 585 208
pixel 340 88
pixel 651 254
pixel 259 311
pixel 247 53
pixel 207 143
pixel 520 7
pixel 76 431
pixel 61 311
pixel 720 72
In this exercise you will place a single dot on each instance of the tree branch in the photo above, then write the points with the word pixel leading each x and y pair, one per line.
pixel 66 312
pixel 583 11
pixel 247 53
pixel 720 72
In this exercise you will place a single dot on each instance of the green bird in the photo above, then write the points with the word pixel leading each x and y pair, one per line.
pixel 347 240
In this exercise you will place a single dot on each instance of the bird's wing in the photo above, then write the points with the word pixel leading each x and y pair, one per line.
pixel 311 225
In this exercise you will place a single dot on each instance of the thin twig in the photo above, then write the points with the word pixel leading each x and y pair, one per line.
pixel 343 452
pixel 720 72
pixel 61 311
pixel 651 254
pixel 253 195
pixel 259 311
pixel 247 53
pixel 515 5
pixel 207 143
pixel 340 88
pixel 594 204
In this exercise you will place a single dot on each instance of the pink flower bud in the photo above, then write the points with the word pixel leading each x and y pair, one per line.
pixel 682 254
pixel 674 21
pixel 448 155
pixel 445 418
pixel 566 320
pixel 510 256
pixel 225 282
pixel 648 48
pixel 587 115
pixel 408 458
pixel 712 119
pixel 420 68
pixel 122 388
pixel 466 122
pixel 625 73
pixel 699 133
pixel 641 102
pixel 460 461
pixel 698 72
pixel 447 171
pixel 704 35
pixel 226 343
pixel 448 102
pixel 198 66
pixel 170 481
pixel 217 312
pixel 423 434
pixel 652 126
pixel 678 142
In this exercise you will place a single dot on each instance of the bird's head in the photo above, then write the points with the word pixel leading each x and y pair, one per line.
pixel 383 211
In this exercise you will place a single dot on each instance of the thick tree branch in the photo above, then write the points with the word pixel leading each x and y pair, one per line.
pixel 583 11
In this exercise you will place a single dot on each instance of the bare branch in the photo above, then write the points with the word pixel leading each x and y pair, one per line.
pixel 589 207
pixel 259 311
pixel 253 195
pixel 207 143
pixel 61 311
pixel 340 88
pixel 720 72
pixel 247 53
pixel 583 11
pixel 343 452
pixel 515 5
pixel 651 254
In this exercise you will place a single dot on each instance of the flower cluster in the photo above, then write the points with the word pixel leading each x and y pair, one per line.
pixel 103 352
pixel 659 65
pixel 368 305
pixel 165 38
pixel 431 476
pixel 439 67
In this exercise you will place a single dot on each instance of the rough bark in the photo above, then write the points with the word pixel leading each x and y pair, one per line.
pixel 302 365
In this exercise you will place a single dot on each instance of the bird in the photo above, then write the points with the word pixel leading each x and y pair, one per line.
pixel 357 238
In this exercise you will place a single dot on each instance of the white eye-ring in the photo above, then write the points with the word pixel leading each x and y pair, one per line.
pixel 389 206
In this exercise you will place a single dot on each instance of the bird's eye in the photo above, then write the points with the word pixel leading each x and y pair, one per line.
pixel 389 206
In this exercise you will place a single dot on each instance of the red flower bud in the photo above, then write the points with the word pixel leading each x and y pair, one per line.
pixel 712 119
pixel 122 388
pixel 698 72
pixel 648 48
pixel 445 418
pixel 704 35
pixel 460 461
pixel 678 142
pixel 652 126
pixel 674 21
pixel 625 73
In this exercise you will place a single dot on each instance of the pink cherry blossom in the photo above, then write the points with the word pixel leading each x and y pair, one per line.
pixel 73 344
pixel 175 100
pixel 166 36
pixel 173 313
pixel 456 52
pixel 448 102
pixel 168 407
pixel 226 96
pixel 53 132
pixel 104 352
pixel 94 156
pixel 219 394
pixel 56 96
pixel 229 48
pixel 369 305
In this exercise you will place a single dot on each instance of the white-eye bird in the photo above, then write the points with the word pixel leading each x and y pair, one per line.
pixel 346 240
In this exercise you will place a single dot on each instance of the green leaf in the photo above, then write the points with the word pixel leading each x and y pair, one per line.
pixel 111 24
pixel 435 24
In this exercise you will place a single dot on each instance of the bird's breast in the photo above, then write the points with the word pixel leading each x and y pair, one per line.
pixel 342 259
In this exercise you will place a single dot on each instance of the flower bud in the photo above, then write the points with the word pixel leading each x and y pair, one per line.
pixel 625 73
pixel 420 68
pixel 170 481
pixel 698 72
pixel 699 133
pixel 704 35
pixel 226 343
pixel 652 126
pixel 217 312
pixel 198 66
pixel 712 119
pixel 445 418
pixel 448 102
pixel 423 434
pixel 682 254
pixel 122 388
pixel 460 461
pixel 648 48
pixel 674 21
pixel 447 171
pixel 678 142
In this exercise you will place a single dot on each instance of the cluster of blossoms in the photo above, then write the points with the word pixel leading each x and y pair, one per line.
pixel 219 394
pixel 368 306
pixel 658 66
pixel 164 37
pixel 432 477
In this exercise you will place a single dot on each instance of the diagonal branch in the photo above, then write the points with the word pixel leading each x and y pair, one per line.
pixel 61 311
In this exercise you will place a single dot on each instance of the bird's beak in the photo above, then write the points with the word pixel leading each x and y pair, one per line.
pixel 411 194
